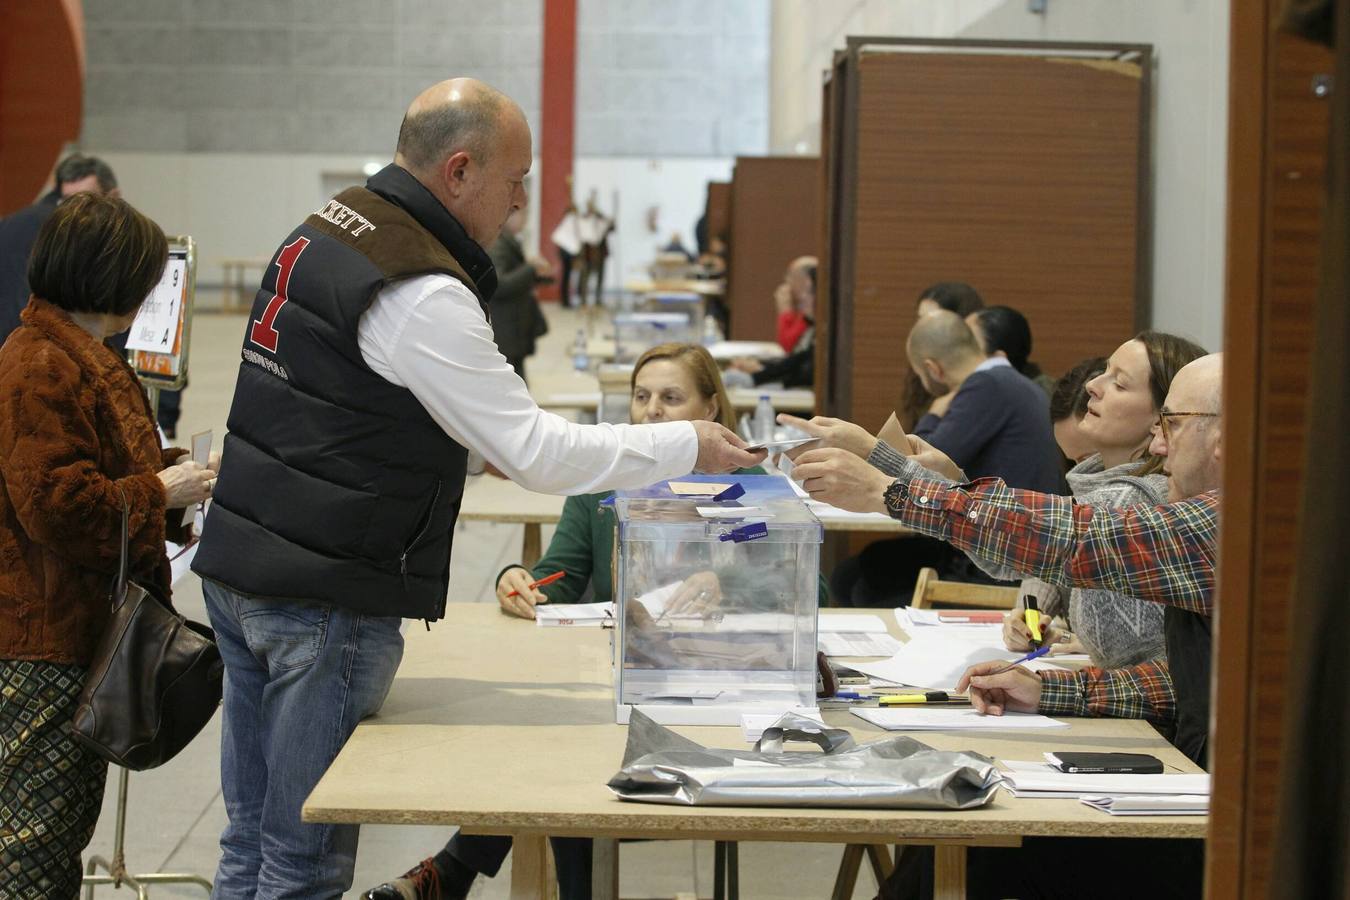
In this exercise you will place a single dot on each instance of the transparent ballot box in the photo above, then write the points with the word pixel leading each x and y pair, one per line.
pixel 637 332
pixel 716 599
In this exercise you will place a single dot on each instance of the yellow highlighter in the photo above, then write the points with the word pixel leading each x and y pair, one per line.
pixel 924 697
pixel 1032 615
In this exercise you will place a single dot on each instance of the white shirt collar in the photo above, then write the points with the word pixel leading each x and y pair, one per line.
pixel 991 363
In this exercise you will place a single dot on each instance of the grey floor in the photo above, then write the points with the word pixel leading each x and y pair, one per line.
pixel 176 813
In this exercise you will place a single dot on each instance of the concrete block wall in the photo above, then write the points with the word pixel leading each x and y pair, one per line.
pixel 299 76
pixel 655 78
pixel 671 78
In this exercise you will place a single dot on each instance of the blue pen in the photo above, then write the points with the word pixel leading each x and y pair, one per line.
pixel 1034 654
pixel 850 695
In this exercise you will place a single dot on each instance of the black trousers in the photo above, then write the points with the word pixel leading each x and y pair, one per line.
pixel 565 295
pixel 484 854
pixel 1064 869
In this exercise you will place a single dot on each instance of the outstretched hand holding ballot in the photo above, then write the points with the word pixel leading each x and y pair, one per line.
pixel 722 450
pixel 855 439
pixel 841 479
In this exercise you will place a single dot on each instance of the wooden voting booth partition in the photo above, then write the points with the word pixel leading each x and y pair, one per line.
pixel 774 220
pixel 1021 168
pixel 717 209
pixel 1277 167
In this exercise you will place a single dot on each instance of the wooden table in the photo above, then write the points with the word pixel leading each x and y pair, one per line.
pixel 795 400
pixel 482 702
pixel 491 499
pixel 708 287
pixel 488 498
pixel 604 349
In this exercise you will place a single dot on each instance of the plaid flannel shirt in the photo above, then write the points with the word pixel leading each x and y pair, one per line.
pixel 1165 554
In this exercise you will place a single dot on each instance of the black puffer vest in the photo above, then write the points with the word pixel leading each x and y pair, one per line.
pixel 337 486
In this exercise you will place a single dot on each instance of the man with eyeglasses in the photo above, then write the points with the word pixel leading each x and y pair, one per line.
pixel 1161 553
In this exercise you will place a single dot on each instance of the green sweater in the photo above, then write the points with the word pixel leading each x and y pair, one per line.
pixel 583 547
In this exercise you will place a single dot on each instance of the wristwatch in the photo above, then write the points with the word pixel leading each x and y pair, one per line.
pixel 895 498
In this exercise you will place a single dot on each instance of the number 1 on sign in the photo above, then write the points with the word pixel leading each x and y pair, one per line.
pixel 264 332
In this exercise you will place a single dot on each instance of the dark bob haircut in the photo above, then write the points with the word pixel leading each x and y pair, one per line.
pixel 1007 330
pixel 97 254
pixel 953 296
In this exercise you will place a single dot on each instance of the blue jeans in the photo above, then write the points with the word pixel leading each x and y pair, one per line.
pixel 298 678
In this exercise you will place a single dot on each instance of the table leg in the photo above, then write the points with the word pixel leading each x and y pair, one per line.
pixel 949 872
pixel 847 879
pixel 605 869
pixel 726 871
pixel 531 876
pixel 532 548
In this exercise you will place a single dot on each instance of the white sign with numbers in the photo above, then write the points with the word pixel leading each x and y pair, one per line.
pixel 156 325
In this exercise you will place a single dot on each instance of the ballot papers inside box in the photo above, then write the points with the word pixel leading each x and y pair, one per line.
pixel 716 600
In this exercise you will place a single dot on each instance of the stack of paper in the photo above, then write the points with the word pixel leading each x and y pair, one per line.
pixel 858 644
pixel 573 614
pixel 937 657
pixel 841 634
pixel 1039 780
pixel 909 619
pixel 846 622
pixel 963 719
pixel 1150 804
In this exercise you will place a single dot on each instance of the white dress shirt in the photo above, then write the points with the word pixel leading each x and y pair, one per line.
pixel 429 335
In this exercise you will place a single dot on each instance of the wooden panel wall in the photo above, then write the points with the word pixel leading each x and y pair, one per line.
pixel 774 220
pixel 718 210
pixel 1026 176
pixel 1278 130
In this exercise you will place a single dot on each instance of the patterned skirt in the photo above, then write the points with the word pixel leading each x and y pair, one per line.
pixel 51 788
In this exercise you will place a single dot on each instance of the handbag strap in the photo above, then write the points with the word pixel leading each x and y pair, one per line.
pixel 120 586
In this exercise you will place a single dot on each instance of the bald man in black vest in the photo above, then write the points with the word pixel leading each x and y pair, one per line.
pixel 368 371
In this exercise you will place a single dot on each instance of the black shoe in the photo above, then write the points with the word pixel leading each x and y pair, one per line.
pixel 422 882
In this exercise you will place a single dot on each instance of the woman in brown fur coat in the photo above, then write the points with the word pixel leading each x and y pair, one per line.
pixel 77 441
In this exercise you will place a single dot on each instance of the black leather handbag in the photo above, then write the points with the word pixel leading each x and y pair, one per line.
pixel 155 680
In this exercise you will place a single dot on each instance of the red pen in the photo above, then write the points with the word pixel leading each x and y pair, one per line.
pixel 540 583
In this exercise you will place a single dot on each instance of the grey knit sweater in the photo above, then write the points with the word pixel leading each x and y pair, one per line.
pixel 1117 630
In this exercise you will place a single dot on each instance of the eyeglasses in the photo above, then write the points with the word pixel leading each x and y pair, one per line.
pixel 1166 429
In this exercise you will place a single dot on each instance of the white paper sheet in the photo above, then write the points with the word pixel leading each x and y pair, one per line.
pixel 180 560
pixel 572 615
pixel 733 512
pixel 696 488
pixel 936 658
pixel 909 619
pixel 1037 779
pixel 963 719
pixel 1150 804
pixel 857 644
pixel 835 623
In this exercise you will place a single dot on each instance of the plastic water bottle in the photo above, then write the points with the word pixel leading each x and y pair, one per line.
pixel 763 421
pixel 581 360
pixel 711 333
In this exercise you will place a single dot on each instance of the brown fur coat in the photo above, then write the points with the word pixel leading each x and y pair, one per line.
pixel 76 436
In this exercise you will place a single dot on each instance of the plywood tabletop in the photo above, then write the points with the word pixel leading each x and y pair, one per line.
pixel 502 726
